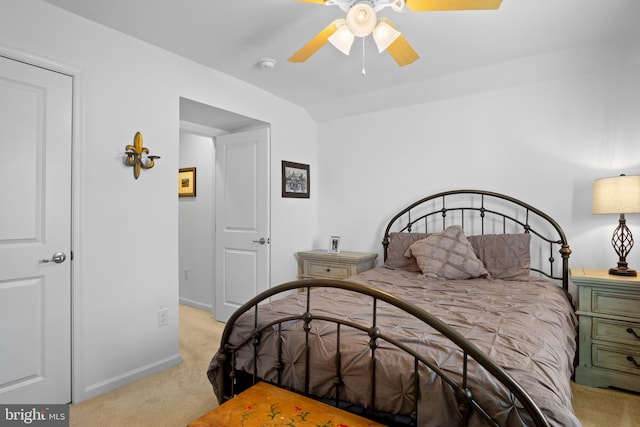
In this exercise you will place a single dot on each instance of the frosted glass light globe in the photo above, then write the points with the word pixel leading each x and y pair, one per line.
pixel 361 19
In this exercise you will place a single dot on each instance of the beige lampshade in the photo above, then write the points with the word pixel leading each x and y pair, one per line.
pixel 616 195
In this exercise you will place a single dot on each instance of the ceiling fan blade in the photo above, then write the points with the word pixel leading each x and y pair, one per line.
pixel 432 5
pixel 400 50
pixel 315 43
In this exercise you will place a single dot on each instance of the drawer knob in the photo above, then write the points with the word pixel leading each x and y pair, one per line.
pixel 632 360
pixel 632 332
pixel 328 270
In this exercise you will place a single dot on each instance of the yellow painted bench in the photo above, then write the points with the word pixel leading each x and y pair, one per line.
pixel 267 405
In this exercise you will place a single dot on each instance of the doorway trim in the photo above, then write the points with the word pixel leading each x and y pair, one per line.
pixel 76 74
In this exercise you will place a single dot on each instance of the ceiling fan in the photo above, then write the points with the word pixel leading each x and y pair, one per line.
pixel 361 20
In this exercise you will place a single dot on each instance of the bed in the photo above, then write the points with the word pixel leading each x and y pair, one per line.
pixel 467 322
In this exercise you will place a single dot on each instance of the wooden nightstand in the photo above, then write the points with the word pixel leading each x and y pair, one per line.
pixel 320 264
pixel 609 322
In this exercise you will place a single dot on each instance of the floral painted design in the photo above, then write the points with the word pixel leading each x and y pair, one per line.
pixel 275 418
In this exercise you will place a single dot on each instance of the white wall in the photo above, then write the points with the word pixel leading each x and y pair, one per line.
pixel 542 141
pixel 126 230
pixel 196 224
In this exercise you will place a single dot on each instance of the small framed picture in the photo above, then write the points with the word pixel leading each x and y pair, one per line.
pixel 334 244
pixel 187 182
pixel 295 180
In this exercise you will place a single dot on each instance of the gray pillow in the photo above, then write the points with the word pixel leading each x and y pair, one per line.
pixel 447 255
pixel 398 245
pixel 505 256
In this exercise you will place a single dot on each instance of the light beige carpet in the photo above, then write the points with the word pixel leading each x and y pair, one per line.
pixel 180 394
pixel 597 407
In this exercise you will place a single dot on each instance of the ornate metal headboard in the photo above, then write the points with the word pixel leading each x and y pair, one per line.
pixel 485 212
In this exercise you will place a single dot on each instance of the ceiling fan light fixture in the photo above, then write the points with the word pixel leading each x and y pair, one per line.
pixel 361 19
pixel 384 34
pixel 342 39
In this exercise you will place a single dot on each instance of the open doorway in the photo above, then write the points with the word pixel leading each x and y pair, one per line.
pixel 200 125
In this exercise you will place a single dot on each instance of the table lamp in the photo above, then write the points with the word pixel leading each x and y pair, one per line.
pixel 618 195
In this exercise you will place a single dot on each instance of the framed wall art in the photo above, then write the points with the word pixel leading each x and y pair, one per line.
pixel 187 182
pixel 334 244
pixel 295 180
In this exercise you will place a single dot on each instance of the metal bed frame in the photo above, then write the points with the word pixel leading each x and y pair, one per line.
pixel 443 211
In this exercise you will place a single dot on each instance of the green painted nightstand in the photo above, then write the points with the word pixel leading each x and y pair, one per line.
pixel 609 322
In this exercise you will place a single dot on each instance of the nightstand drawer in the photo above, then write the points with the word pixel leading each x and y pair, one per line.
pixel 615 303
pixel 616 358
pixel 616 331
pixel 328 270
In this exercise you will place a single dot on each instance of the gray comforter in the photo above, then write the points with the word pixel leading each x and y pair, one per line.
pixel 528 328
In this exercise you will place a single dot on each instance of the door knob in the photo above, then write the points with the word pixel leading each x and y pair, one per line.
pixel 58 258
pixel 262 241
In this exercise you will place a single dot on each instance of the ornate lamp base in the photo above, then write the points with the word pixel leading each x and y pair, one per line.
pixel 622 242
pixel 623 272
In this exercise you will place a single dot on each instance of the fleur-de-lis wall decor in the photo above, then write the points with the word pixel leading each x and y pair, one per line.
pixel 135 156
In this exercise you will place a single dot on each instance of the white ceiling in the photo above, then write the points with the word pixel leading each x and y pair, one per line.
pixel 232 35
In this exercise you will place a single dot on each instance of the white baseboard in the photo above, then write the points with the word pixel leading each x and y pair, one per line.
pixel 109 384
pixel 196 304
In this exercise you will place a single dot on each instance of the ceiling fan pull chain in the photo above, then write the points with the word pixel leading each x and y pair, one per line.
pixel 364 72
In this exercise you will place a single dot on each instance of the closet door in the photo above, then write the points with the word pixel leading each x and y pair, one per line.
pixel 35 234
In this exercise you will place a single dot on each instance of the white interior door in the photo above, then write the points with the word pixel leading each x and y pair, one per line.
pixel 242 219
pixel 35 223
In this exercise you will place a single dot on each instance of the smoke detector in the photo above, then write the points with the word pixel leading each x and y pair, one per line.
pixel 266 63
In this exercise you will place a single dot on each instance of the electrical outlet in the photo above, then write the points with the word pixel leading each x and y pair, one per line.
pixel 163 317
pixel 187 276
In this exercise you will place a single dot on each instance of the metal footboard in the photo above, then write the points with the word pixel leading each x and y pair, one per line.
pixel 227 378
